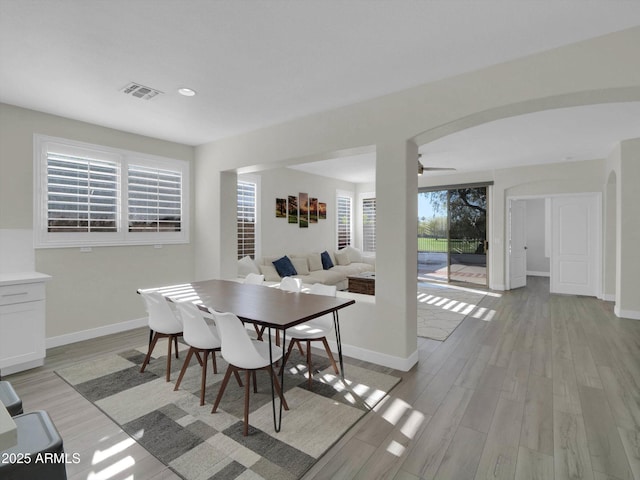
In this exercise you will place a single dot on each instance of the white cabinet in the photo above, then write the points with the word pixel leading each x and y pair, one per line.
pixel 22 321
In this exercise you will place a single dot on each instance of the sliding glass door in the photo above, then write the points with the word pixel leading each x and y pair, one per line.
pixel 467 209
pixel 452 234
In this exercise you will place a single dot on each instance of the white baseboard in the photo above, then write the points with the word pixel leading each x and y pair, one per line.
pixel 386 360
pixel 609 297
pixel 538 274
pixel 632 314
pixel 397 363
pixel 22 366
pixel 95 332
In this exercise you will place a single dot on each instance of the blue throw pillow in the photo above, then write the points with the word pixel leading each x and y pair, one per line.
pixel 326 260
pixel 284 267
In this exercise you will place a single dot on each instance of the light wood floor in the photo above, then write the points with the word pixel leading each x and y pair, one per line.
pixel 549 388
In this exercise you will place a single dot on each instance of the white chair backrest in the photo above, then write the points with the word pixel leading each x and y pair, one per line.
pixel 321 289
pixel 254 279
pixel 291 284
pixel 326 321
pixel 196 332
pixel 237 346
pixel 161 316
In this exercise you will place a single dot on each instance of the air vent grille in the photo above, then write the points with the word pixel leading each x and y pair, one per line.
pixel 140 91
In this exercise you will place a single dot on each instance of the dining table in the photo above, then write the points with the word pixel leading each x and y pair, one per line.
pixel 262 305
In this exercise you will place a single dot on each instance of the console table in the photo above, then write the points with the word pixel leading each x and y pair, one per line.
pixel 363 283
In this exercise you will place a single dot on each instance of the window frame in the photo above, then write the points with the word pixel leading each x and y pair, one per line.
pixel 256 223
pixel 365 198
pixel 123 158
pixel 344 194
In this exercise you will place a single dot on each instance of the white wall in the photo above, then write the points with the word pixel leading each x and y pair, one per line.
pixel 623 170
pixel 93 291
pixel 537 262
pixel 277 235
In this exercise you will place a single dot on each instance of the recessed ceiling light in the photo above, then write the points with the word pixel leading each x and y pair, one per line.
pixel 187 92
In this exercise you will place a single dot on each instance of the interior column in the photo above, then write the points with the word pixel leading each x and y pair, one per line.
pixel 628 232
pixel 396 245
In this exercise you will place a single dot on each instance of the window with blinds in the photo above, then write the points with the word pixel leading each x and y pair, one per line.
pixel 82 194
pixel 89 195
pixel 246 219
pixel 369 224
pixel 154 199
pixel 344 221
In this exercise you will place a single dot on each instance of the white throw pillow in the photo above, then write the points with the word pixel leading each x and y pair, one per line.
pixel 300 264
pixel 342 258
pixel 246 265
pixel 315 262
pixel 270 273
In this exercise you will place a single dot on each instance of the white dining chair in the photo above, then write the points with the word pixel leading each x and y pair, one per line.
pixel 201 339
pixel 290 284
pixel 287 284
pixel 315 330
pixel 253 279
pixel 244 354
pixel 164 323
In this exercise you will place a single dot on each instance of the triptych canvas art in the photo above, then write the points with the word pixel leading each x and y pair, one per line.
pixel 301 209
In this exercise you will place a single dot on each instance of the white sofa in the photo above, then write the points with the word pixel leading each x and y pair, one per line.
pixel 309 268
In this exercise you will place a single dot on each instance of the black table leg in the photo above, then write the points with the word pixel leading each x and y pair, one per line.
pixel 277 419
pixel 336 326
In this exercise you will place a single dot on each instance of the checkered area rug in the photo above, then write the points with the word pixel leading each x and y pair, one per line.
pixel 197 444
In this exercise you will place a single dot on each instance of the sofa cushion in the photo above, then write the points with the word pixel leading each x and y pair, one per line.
pixel 315 262
pixel 354 254
pixel 342 258
pixel 270 273
pixel 327 263
pixel 300 264
pixel 328 277
pixel 353 268
pixel 246 265
pixel 285 267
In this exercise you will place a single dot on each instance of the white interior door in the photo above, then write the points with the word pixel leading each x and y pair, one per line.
pixel 517 244
pixel 575 255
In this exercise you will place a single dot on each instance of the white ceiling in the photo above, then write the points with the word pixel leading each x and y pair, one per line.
pixel 564 134
pixel 258 63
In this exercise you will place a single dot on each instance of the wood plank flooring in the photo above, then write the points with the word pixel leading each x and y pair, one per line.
pixel 549 388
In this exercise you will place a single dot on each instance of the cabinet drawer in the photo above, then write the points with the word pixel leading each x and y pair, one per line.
pixel 23 292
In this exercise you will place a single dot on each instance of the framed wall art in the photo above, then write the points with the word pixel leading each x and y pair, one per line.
pixel 313 210
pixel 293 209
pixel 303 207
pixel 322 211
pixel 281 208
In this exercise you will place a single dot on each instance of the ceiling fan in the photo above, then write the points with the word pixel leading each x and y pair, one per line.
pixel 422 168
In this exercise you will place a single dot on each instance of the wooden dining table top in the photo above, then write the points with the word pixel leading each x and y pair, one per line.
pixel 260 304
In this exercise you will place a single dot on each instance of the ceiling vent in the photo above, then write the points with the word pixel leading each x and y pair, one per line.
pixel 140 91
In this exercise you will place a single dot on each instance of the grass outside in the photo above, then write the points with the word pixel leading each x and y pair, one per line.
pixel 441 245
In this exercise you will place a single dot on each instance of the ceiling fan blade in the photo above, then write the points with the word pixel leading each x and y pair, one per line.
pixel 438 168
